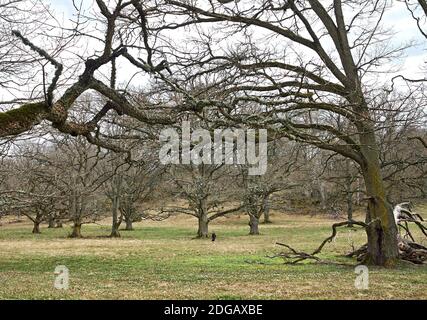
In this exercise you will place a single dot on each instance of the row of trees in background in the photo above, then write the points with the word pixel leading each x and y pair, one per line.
pixel 58 179
pixel 318 73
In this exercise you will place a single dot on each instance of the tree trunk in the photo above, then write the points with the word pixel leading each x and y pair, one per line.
pixel 51 222
pixel 203 231
pixel 323 196
pixel 254 223
pixel 115 224
pixel 36 227
pixel 115 231
pixel 349 194
pixel 77 231
pixel 359 193
pixel 129 224
pixel 267 210
pixel 349 204
pixel 350 209
pixel 382 231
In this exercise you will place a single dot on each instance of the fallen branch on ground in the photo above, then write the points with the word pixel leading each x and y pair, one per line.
pixel 409 250
pixel 292 256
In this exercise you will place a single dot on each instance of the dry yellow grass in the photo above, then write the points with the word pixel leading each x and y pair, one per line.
pixel 160 260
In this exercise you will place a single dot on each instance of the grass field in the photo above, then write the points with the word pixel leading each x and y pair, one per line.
pixel 160 260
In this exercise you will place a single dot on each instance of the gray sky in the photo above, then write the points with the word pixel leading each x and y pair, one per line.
pixel 397 17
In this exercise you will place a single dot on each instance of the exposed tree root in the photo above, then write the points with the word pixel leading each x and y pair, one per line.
pixel 408 251
pixel 360 253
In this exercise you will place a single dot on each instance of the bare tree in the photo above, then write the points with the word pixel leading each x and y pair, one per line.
pixel 114 191
pixel 28 188
pixel 300 63
pixel 206 196
pixel 315 77
pixel 257 190
pixel 75 162
pixel 139 183
pixel 71 78
pixel 129 187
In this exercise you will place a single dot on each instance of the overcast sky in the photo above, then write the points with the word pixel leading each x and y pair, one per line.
pixel 397 17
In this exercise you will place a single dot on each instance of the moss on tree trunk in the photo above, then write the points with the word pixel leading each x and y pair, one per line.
pixel 21 119
pixel 382 230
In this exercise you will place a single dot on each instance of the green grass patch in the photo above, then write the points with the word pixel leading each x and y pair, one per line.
pixel 163 261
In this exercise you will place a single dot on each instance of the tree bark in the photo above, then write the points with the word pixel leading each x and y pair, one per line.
pixel 382 230
pixel 323 196
pixel 52 223
pixel 129 224
pixel 115 231
pixel 203 231
pixel 115 224
pixel 359 193
pixel 267 211
pixel 253 223
pixel 36 227
pixel 350 209
pixel 349 195
pixel 77 231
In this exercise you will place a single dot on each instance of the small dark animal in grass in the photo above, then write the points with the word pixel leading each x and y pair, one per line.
pixel 213 237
